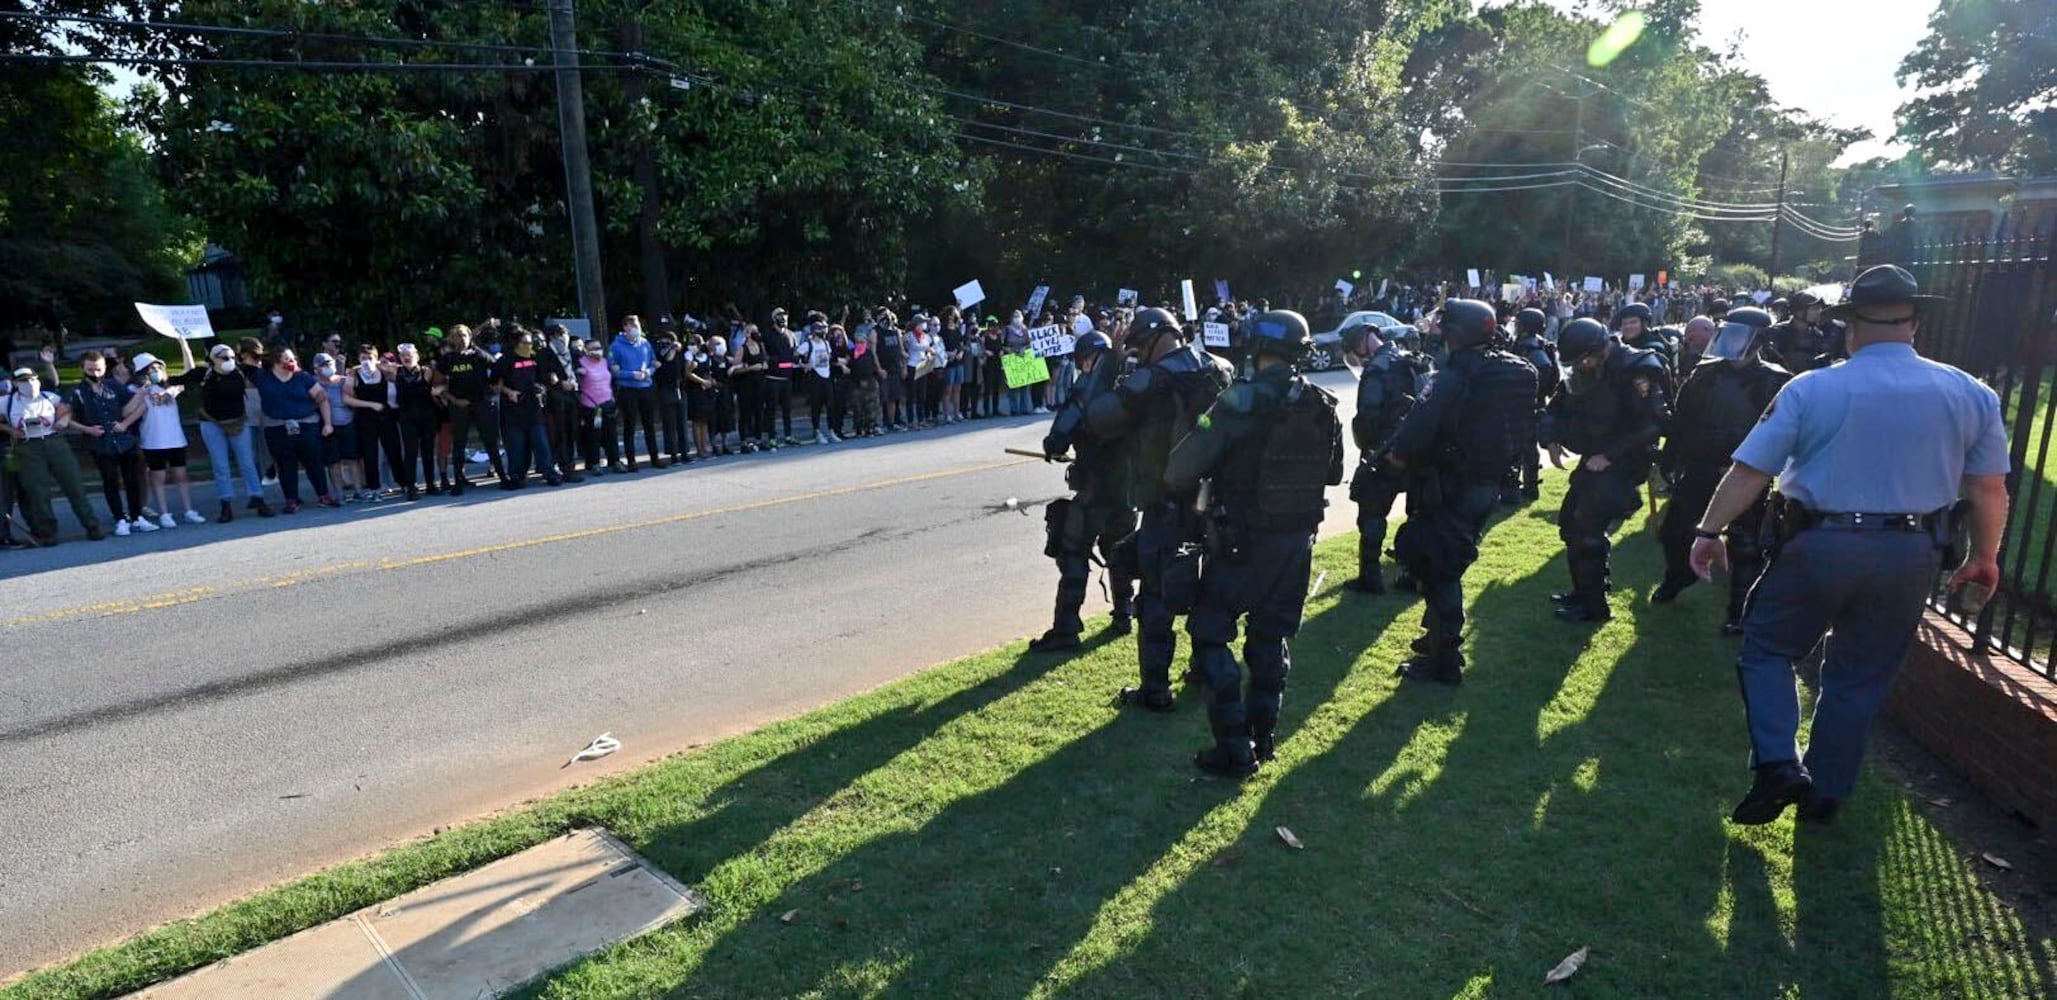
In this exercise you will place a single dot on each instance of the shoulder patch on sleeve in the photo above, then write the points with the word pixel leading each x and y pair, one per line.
pixel 1641 384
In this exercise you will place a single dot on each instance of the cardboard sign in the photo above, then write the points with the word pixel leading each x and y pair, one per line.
pixel 1024 370
pixel 1127 297
pixel 969 294
pixel 1471 277
pixel 1549 282
pixel 1511 292
pixel 1635 282
pixel 1595 284
pixel 1185 292
pixel 1214 334
pixel 1382 287
pixel 1345 287
pixel 1760 297
pixel 177 322
pixel 1663 279
pixel 1035 303
pixel 1054 341
pixel 1221 290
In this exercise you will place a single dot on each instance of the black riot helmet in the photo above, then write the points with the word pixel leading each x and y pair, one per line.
pixel 1090 346
pixel 1355 338
pixel 1468 323
pixel 1280 332
pixel 1738 333
pixel 1581 337
pixel 1149 324
pixel 1637 310
pixel 1530 320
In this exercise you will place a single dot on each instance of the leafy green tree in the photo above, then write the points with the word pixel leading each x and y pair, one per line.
pixel 1986 74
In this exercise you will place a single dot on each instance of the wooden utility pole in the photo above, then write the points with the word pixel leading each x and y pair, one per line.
pixel 1778 215
pixel 656 281
pixel 578 172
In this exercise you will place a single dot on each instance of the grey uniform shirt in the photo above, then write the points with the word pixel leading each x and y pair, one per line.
pixel 1886 432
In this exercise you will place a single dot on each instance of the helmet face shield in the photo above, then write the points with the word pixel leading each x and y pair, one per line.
pixel 1732 341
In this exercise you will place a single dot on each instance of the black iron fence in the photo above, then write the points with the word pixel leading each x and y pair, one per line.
pixel 1999 322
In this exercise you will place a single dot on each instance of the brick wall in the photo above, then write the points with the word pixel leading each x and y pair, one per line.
pixel 1993 720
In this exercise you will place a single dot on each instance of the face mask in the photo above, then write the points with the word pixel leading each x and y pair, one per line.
pixel 28 387
pixel 369 368
pixel 635 334
pixel 719 348
pixel 525 349
pixel 156 376
pixel 326 370
pixel 276 319
pixel 225 365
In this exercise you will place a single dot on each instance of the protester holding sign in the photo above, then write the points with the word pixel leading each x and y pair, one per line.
pixel 154 410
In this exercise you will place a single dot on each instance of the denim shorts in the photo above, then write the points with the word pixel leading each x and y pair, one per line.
pixel 955 374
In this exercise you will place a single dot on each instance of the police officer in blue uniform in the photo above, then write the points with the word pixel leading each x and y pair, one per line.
pixel 1392 379
pixel 1610 409
pixel 1098 512
pixel 1174 382
pixel 1271 446
pixel 1455 447
pixel 1717 406
pixel 1871 456
pixel 1524 476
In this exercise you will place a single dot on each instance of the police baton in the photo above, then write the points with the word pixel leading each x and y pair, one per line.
pixel 1025 453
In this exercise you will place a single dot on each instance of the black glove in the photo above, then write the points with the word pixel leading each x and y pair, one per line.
pixel 1054 446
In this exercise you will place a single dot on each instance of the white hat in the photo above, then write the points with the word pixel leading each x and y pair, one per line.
pixel 142 361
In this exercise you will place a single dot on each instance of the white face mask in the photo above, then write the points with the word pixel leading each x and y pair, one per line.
pixel 225 365
pixel 719 348
pixel 370 368
pixel 634 333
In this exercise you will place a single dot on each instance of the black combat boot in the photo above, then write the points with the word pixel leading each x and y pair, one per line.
pixel 1054 641
pixel 1230 756
pixel 1263 737
pixel 1669 590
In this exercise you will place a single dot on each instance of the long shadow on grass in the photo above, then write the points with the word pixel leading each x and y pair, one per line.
pixel 975 901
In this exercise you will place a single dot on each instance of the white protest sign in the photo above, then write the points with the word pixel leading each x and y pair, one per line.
pixel 1511 292
pixel 1035 303
pixel 1549 282
pixel 1221 290
pixel 969 294
pixel 177 322
pixel 1471 277
pixel 1185 291
pixel 1054 341
pixel 1127 297
pixel 1635 281
pixel 1829 294
pixel 1594 284
pixel 1214 334
pixel 1382 287
pixel 1760 297
pixel 1345 287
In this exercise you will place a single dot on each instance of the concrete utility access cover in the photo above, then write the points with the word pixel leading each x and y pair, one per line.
pixel 479 934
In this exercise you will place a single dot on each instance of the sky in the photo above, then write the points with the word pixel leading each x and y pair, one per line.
pixel 1834 59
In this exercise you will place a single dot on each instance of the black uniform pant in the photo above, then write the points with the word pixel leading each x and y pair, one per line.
pixel 561 417
pixel 463 417
pixel 1162 531
pixel 1436 545
pixel 122 475
pixel 671 412
pixel 378 429
pixel 1527 472
pixel 1086 527
pixel 778 405
pixel 1596 502
pixel 750 407
pixel 418 430
pixel 1265 581
pixel 638 408
pixel 1689 499
pixel 1375 492
pixel 596 433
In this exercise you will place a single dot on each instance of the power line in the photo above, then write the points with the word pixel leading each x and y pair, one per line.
pixel 178 27
pixel 310 65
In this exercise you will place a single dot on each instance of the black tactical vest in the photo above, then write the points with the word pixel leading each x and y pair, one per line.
pixel 1279 480
pixel 1497 393
pixel 1193 378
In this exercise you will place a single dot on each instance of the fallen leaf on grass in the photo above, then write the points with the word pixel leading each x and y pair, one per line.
pixel 787 917
pixel 1291 841
pixel 1567 968
pixel 1998 862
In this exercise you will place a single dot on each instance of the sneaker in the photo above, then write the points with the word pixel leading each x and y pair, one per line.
pixel 292 507
pixel 121 528
pixel 195 517
pixel 328 502
pixel 143 525
pixel 835 438
pixel 150 513
pixel 821 437
pixel 228 513
pixel 167 521
pixel 270 478
pixel 95 533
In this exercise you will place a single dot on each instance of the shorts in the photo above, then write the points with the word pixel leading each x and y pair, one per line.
pixel 341 446
pixel 891 390
pixel 955 374
pixel 160 459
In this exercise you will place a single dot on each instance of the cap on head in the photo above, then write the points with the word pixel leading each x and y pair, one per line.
pixel 1884 285
pixel 142 361
pixel 24 372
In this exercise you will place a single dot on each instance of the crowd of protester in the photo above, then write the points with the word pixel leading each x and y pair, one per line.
pixel 369 422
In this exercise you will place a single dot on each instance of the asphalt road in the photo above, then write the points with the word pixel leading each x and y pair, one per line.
pixel 189 716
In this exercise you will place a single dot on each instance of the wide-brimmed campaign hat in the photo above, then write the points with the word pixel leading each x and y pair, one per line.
pixel 1884 285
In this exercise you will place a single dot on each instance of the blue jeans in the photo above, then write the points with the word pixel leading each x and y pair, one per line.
pixel 243 445
pixel 525 434
pixel 1018 401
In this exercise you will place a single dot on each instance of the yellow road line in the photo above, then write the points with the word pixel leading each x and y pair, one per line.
pixel 189 595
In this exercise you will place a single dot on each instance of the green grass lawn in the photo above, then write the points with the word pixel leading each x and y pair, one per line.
pixel 994 827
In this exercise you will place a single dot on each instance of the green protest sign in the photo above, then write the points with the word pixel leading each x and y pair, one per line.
pixel 1025 370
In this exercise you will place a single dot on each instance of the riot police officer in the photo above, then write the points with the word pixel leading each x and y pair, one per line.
pixel 1541 355
pixel 1148 412
pixel 1454 447
pixel 1270 446
pixel 1611 409
pixel 1099 511
pixel 1802 343
pixel 1719 404
pixel 1638 329
pixel 1393 378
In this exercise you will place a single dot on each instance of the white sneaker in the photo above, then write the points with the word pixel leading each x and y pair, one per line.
pixel 193 517
pixel 168 521
pixel 835 438
pixel 143 525
pixel 121 529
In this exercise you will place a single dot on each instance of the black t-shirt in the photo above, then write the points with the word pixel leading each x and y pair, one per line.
pixel 891 358
pixel 221 396
pixel 953 341
pixel 782 349
pixel 526 376
pixel 467 372
pixel 669 372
